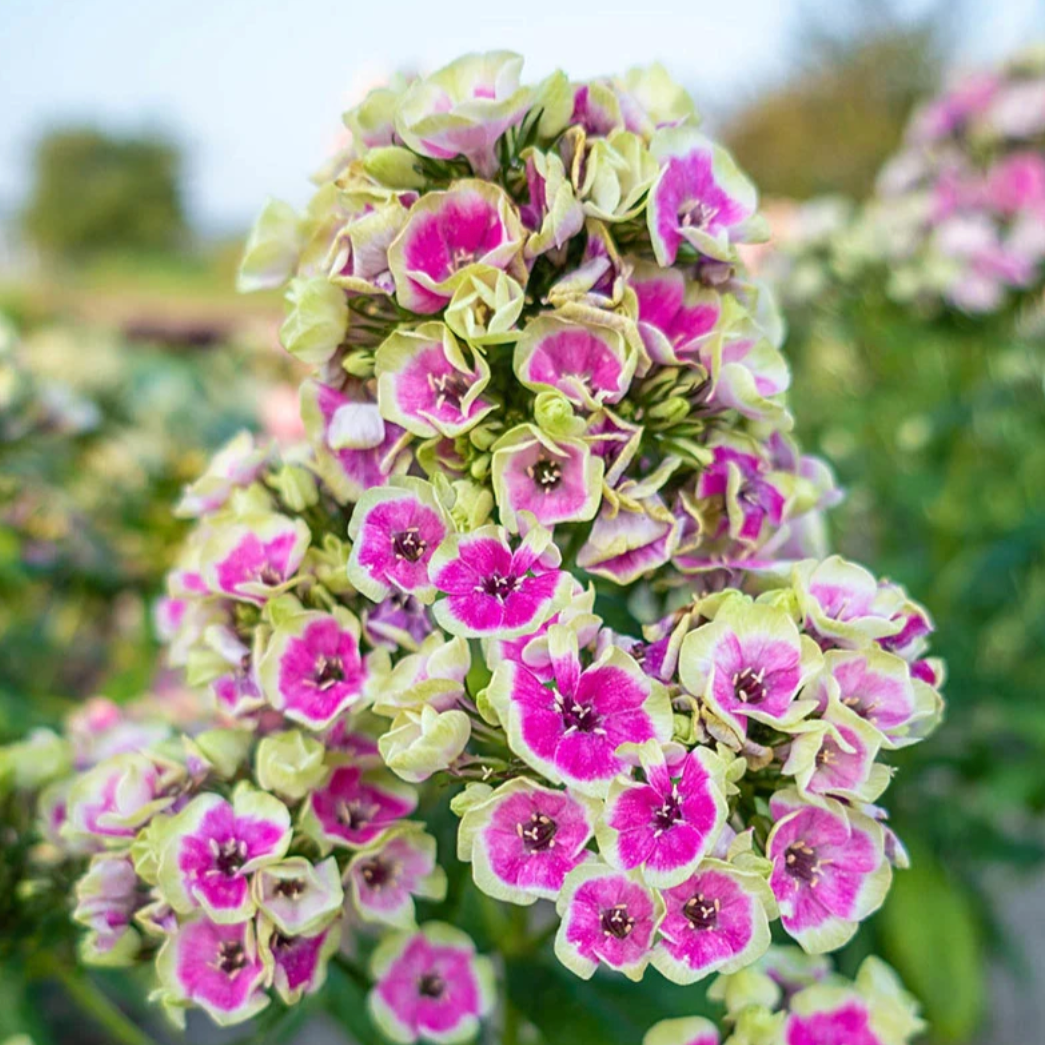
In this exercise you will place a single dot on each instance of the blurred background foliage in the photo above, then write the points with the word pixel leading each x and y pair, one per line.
pixel 95 192
pixel 134 360
pixel 841 111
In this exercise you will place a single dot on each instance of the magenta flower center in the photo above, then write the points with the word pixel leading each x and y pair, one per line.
pixel 578 716
pixel 355 813
pixel 461 258
pixel 749 687
pixel 701 913
pixel 546 475
pixel 269 575
pixel 669 813
pixel 800 862
pixel 409 544
pixel 498 586
pixel 696 214
pixel 291 888
pixel 538 834
pixel 616 922
pixel 449 388
pixel 329 671
pixel 229 856
pixel 378 873
pixel 431 985
pixel 231 958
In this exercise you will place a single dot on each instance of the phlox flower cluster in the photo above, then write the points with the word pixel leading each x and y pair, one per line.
pixel 549 542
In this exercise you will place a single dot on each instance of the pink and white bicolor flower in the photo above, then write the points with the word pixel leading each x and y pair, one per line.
pixel 354 807
pixel 493 591
pixel 753 498
pixel 312 669
pixel 430 985
pixel 447 232
pixel 256 557
pixel 569 730
pixel 590 365
pixel 297 965
pixel 215 966
pixel 109 803
pixel 829 870
pixel 836 755
pixel 665 823
pixel 628 542
pixel 395 531
pixel 676 315
pixel 700 198
pixel 844 605
pixel 750 663
pixel 716 921
pixel 213 847
pixel 238 463
pixel 299 897
pixel 428 384
pixel 356 448
pixel 608 917
pixel 877 687
pixel 523 839
pixel 384 877
pixel 556 480
pixel 464 108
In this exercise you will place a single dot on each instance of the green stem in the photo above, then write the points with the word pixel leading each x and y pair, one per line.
pixel 88 997
pixel 510 1031
pixel 353 971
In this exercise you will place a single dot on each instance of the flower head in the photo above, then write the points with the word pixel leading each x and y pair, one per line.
pixel 667 821
pixel 215 966
pixel 299 897
pixel 608 917
pixel 384 877
pixel 523 839
pixel 571 728
pixel 492 590
pixel 446 233
pixel 312 670
pixel 430 985
pixel 829 870
pixel 750 663
pixel 354 807
pixel 214 846
pixel 464 108
pixel 700 198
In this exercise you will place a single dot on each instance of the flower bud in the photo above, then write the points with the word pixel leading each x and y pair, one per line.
pixel 422 743
pixel 290 763
pixel 296 487
pixel 316 321
pixel 272 249
pixel 31 764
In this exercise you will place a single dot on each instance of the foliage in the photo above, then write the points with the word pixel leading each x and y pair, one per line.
pixel 830 125
pixel 95 192
pixel 97 436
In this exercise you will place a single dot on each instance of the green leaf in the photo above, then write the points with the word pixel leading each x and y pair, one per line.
pixel 931 934
pixel 608 1009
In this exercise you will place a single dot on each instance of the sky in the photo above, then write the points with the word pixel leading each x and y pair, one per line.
pixel 254 89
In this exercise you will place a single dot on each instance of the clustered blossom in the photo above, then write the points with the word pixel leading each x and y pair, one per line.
pixel 958 216
pixel 543 385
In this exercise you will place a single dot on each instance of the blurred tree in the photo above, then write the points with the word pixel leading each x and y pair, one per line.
pixel 95 193
pixel 833 122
